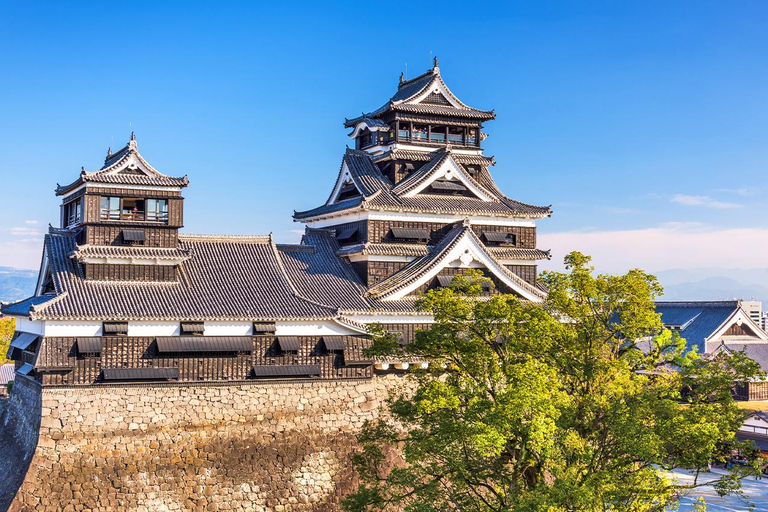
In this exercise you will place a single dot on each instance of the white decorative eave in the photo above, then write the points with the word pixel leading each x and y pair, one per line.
pixel 465 251
pixel 448 169
pixel 739 317
pixel 345 178
pixel 371 127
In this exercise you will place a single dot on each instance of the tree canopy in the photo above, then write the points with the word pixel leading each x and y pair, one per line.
pixel 582 403
pixel 7 328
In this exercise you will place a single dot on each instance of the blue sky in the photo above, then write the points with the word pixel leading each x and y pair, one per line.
pixel 644 124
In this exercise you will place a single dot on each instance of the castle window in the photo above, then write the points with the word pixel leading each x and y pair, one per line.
pixel 471 136
pixel 420 133
pixel 289 344
pixel 437 134
pixel 455 135
pixel 134 209
pixel 192 328
pixel 157 210
pixel 500 238
pixel 365 139
pixel 403 132
pixel 347 236
pixel 110 208
pixel 409 235
pixel 73 212
pixel 115 328
pixel 262 328
pixel 133 236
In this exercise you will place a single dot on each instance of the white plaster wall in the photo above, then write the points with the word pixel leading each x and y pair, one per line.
pixel 153 329
pixel 228 328
pixel 65 328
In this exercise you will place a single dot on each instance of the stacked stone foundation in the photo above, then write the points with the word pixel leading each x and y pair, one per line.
pixel 256 446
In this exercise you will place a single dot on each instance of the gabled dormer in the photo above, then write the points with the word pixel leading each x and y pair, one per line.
pixel 423 114
pixel 127 202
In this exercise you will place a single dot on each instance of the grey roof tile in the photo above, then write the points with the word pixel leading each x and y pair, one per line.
pixel 228 278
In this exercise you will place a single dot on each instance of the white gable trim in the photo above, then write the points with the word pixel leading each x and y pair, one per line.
pixel 44 270
pixel 739 317
pixel 467 253
pixel 437 86
pixel 363 124
pixel 344 177
pixel 451 171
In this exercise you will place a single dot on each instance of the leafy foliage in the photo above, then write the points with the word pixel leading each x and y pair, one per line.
pixel 7 328
pixel 577 404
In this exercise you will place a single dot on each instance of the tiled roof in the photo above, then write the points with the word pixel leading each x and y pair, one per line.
pixel 227 278
pixel 378 194
pixel 384 249
pixel 515 253
pixel 438 110
pixel 699 319
pixel 22 307
pixel 424 156
pixel 321 276
pixel 756 351
pixel 408 90
pixel 113 251
pixel 412 272
pixel 7 372
pixel 125 167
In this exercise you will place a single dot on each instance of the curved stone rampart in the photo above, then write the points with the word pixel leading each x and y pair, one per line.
pixel 255 446
pixel 19 426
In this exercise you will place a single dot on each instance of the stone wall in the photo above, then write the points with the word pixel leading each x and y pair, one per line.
pixel 19 425
pixel 255 446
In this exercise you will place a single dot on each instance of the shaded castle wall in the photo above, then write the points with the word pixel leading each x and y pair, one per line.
pixel 256 446
pixel 19 425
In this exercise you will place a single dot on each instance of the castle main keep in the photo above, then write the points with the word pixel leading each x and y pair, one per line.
pixel 158 370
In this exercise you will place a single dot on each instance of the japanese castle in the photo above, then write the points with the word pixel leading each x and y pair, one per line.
pixel 122 296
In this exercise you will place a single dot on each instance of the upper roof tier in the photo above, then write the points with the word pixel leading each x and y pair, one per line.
pixel 426 94
pixel 125 167
pixel 375 192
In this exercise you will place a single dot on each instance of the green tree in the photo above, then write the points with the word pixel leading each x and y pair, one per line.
pixel 7 328
pixel 582 403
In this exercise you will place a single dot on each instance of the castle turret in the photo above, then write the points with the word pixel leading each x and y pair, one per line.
pixel 125 217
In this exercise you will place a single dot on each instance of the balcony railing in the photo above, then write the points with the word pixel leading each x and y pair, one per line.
pixel 134 215
pixel 73 220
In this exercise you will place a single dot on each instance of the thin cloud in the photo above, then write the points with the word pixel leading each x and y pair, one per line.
pixel 23 231
pixel 704 201
pixel 674 245
pixel 32 222
pixel 743 191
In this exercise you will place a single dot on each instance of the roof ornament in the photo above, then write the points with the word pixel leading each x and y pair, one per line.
pixel 109 151
pixel 402 78
pixel 133 135
pixel 82 170
pixel 436 63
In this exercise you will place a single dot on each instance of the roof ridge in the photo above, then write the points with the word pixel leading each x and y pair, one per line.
pixel 226 238
pixel 291 285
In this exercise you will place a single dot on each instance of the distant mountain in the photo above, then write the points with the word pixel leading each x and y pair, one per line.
pixel 715 283
pixel 16 284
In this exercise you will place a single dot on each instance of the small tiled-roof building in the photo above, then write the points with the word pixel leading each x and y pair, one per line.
pixel 124 296
pixel 711 327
